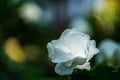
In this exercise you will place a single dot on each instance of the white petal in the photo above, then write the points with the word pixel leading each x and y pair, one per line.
pixel 72 31
pixel 84 66
pixel 79 61
pixel 75 41
pixel 92 50
pixel 50 50
pixel 69 63
pixel 62 69
pixel 60 56
pixel 60 52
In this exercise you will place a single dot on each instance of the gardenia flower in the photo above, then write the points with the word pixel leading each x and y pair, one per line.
pixel 72 50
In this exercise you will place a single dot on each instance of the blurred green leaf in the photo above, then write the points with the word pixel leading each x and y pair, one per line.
pixel 100 72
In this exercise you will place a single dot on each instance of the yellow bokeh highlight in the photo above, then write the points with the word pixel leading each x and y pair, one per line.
pixel 111 9
pixel 14 51
pixel 107 16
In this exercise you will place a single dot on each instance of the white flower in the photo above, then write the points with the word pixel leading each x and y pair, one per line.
pixel 72 50
pixel 109 52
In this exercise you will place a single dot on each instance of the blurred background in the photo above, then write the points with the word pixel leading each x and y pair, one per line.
pixel 26 26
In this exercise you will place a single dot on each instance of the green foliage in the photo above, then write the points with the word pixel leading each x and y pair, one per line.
pixel 100 72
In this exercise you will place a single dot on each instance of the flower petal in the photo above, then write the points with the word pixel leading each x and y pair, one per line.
pixel 50 50
pixel 92 50
pixel 74 40
pixel 79 61
pixel 84 66
pixel 58 52
pixel 62 69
